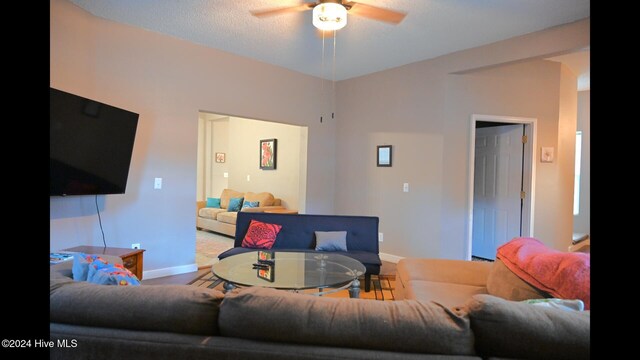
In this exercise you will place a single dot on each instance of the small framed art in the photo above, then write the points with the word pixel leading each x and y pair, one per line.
pixel 383 157
pixel 220 157
pixel 268 154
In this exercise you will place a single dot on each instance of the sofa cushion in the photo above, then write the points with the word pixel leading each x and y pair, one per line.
pixel 213 202
pixel 226 195
pixel 446 294
pixel 504 328
pixel 505 284
pixel 331 240
pixel 210 213
pixel 235 204
pixel 227 217
pixel 260 235
pixel 472 273
pixel 58 278
pixel 171 308
pixel 274 315
pixel 249 204
pixel 264 198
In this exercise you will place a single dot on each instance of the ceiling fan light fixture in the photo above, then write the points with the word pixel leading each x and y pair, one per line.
pixel 329 16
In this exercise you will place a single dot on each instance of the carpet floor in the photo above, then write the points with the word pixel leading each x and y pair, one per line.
pixel 209 245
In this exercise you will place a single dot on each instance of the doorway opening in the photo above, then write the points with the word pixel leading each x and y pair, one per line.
pixel 229 156
pixel 501 186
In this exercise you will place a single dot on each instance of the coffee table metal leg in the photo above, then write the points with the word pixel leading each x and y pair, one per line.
pixel 228 286
pixel 354 290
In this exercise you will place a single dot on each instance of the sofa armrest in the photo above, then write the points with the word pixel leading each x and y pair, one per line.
pixel 443 270
pixel 262 208
pixel 200 205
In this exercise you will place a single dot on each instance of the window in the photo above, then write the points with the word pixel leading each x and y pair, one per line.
pixel 576 184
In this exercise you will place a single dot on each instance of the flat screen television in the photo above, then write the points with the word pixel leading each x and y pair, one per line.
pixel 90 145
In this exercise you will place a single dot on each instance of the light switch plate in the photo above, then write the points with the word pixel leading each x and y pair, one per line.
pixel 157 184
pixel 546 154
pixel 405 187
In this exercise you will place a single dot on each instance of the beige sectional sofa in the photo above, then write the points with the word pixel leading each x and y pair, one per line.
pixel 222 221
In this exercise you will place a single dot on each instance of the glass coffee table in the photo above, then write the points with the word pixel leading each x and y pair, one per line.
pixel 291 271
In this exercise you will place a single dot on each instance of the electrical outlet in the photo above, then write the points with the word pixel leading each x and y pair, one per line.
pixel 380 237
pixel 405 187
pixel 135 246
pixel 157 183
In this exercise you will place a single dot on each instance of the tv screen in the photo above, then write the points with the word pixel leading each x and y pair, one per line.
pixel 90 145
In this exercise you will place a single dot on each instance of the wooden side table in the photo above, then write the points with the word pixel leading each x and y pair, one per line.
pixel 131 258
pixel 281 211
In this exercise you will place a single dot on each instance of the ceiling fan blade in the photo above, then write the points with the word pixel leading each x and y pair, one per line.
pixel 376 13
pixel 284 10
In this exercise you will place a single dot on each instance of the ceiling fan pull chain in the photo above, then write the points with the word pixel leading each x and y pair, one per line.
pixel 333 76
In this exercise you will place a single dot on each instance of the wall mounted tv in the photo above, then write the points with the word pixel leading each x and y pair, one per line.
pixel 90 145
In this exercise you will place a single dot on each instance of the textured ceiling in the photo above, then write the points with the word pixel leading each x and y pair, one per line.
pixel 430 29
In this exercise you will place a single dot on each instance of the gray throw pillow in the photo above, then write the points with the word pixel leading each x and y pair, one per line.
pixel 331 241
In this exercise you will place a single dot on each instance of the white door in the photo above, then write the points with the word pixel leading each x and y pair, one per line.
pixel 496 188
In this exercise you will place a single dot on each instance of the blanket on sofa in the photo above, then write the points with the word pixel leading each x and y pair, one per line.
pixel 565 275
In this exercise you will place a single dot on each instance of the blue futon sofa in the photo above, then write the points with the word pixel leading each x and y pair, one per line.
pixel 298 234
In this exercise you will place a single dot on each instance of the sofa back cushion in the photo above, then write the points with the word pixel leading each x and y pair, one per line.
pixel 171 308
pixel 298 230
pixel 408 326
pixel 265 198
pixel 507 285
pixel 226 195
pixel 510 329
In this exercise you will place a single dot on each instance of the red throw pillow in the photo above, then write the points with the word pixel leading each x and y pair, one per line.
pixel 260 235
pixel 565 275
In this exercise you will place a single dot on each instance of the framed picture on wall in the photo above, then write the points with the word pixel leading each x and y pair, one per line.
pixel 383 157
pixel 268 154
pixel 220 157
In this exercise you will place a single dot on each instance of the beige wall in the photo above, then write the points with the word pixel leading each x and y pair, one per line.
pixel 284 181
pixel 213 137
pixel 219 135
pixel 424 110
pixel 533 90
pixel 582 221
pixel 168 81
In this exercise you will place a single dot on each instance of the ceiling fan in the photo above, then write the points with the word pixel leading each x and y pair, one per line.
pixel 332 14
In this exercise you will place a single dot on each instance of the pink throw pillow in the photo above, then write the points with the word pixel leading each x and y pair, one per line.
pixel 260 235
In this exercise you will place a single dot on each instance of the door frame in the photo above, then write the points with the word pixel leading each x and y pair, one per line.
pixel 529 173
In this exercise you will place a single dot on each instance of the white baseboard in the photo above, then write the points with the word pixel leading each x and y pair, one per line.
pixel 390 258
pixel 175 270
